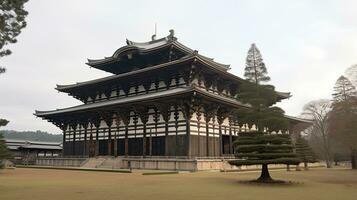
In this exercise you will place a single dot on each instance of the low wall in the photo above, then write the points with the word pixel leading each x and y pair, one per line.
pixel 63 162
pixel 175 164
pixel 172 164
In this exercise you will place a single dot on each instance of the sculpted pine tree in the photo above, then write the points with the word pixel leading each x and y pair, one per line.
pixel 262 147
pixel 304 152
pixel 343 90
pixel 12 20
pixel 255 70
pixel 259 148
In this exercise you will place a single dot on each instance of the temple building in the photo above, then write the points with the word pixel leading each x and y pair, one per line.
pixel 163 99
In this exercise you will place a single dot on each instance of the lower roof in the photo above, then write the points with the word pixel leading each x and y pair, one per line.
pixel 141 98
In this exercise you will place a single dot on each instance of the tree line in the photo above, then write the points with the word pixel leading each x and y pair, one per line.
pixel 334 131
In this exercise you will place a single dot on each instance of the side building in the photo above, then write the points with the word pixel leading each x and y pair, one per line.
pixel 26 152
pixel 163 99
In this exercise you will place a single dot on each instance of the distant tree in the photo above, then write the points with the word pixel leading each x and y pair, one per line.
pixel 12 20
pixel 4 153
pixel 343 117
pixel 343 125
pixel 351 74
pixel 304 152
pixel 343 90
pixel 259 148
pixel 255 70
pixel 32 135
pixel 318 111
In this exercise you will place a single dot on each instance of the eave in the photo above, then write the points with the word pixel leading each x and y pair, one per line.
pixel 151 97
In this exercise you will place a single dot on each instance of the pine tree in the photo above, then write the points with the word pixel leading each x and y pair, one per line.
pixel 304 152
pixel 351 74
pixel 4 153
pixel 259 148
pixel 255 70
pixel 343 116
pixel 343 90
pixel 12 20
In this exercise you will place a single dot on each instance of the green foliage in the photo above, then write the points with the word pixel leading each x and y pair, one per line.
pixel 3 122
pixel 32 135
pixel 12 20
pixel 304 151
pixel 4 153
pixel 253 148
pixel 255 70
pixel 262 114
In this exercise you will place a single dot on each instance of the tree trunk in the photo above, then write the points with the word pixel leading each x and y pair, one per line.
pixel 306 167
pixel 298 167
pixel 354 159
pixel 328 162
pixel 287 167
pixel 265 176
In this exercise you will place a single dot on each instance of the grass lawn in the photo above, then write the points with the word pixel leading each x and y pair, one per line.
pixel 39 184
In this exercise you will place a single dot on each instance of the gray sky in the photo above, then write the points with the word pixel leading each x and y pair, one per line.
pixel 306 45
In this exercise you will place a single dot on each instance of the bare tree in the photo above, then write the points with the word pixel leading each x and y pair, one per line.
pixel 318 111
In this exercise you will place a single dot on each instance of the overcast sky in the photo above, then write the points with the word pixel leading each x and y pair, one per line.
pixel 306 45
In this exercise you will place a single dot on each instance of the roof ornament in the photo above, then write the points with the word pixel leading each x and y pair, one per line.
pixel 171 36
pixel 153 37
pixel 128 42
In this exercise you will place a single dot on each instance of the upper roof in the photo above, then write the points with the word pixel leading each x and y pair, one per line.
pixel 143 48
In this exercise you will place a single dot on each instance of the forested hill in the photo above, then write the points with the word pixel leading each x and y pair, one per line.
pixel 31 135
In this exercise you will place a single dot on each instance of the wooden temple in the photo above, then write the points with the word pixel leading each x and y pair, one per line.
pixel 163 99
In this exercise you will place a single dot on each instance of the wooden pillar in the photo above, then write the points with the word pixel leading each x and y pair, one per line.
pixel 176 129
pixel 85 147
pixel 207 139
pixel 220 139
pixel 187 111
pixel 116 135
pixel 222 114
pixel 142 112
pixel 109 140
pixel 108 119
pixel 97 140
pixel 144 139
pixel 96 122
pixel 125 117
pixel 150 144
pixel 230 137
pixel 126 144
pixel 165 112
pixel 198 133
pixel 74 127
pixel 63 126
pixel 188 141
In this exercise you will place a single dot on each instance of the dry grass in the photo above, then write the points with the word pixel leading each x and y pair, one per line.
pixel 46 184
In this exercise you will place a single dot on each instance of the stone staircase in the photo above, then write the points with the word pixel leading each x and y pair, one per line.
pixel 93 162
pixel 111 163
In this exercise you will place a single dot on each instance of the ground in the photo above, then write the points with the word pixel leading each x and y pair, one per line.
pixel 47 184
